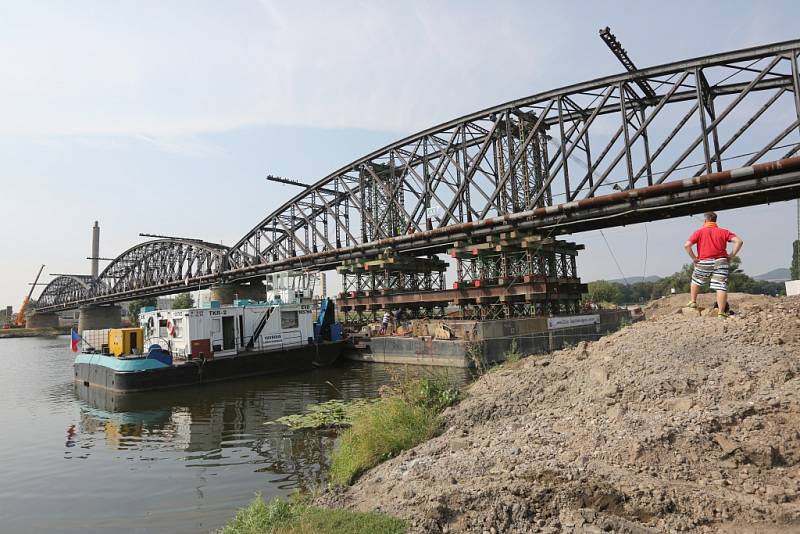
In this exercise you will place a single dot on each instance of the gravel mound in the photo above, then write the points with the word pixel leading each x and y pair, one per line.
pixel 683 422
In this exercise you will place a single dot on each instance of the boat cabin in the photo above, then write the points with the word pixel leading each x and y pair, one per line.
pixel 204 333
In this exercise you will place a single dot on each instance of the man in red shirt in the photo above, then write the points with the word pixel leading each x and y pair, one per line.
pixel 712 260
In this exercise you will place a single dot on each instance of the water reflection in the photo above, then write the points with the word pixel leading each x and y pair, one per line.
pixel 170 462
pixel 223 425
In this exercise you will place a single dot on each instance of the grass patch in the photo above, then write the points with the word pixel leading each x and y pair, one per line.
pixel 282 517
pixel 380 432
pixel 405 417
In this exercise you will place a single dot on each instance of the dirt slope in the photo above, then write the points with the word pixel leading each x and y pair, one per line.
pixel 679 423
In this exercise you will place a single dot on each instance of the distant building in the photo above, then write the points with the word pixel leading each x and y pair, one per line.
pixel 6 315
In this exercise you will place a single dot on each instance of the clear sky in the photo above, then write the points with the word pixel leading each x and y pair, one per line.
pixel 164 117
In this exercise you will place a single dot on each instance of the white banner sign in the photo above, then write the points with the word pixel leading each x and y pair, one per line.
pixel 554 323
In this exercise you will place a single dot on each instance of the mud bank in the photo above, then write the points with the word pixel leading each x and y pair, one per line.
pixel 678 423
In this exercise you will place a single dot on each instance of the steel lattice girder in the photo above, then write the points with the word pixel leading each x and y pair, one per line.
pixel 65 289
pixel 603 135
pixel 149 268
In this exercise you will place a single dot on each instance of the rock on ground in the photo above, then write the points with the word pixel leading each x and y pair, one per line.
pixel 678 423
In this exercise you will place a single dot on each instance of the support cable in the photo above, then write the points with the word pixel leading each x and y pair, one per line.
pixel 614 257
pixel 646 243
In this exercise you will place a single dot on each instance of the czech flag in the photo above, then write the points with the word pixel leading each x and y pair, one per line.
pixel 75 338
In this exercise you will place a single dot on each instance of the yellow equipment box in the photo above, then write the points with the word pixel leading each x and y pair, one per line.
pixel 125 341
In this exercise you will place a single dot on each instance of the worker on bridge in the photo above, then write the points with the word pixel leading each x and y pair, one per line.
pixel 712 260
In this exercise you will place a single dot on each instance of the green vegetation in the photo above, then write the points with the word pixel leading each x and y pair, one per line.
pixel 405 417
pixel 475 354
pixel 379 433
pixel 431 393
pixel 332 414
pixel 282 517
pixel 603 291
pixel 135 306
pixel 513 355
pixel 795 268
pixel 183 301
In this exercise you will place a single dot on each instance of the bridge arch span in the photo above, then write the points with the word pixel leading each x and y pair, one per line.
pixel 159 263
pixel 617 133
pixel 64 289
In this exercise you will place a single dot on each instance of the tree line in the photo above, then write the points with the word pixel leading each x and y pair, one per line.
pixel 618 293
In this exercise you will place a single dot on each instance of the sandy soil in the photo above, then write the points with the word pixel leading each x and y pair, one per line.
pixel 682 422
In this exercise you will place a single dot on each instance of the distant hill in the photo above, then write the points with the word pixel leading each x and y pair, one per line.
pixel 634 279
pixel 775 275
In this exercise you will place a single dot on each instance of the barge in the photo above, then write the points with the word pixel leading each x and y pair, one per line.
pixel 176 348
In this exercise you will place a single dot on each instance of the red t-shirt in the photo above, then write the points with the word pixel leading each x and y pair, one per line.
pixel 711 241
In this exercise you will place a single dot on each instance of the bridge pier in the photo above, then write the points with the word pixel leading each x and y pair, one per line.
pixel 98 317
pixel 42 320
pixel 227 293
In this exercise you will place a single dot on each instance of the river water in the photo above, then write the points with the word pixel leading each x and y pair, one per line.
pixel 175 461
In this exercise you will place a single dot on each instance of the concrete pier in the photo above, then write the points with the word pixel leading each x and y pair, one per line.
pixel 227 293
pixel 42 320
pixel 99 317
pixel 477 343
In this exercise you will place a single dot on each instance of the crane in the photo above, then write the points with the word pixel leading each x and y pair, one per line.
pixel 20 320
pixel 622 55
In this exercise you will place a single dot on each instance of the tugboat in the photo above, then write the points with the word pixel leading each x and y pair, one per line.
pixel 174 348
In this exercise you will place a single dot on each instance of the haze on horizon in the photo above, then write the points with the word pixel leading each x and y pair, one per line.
pixel 165 118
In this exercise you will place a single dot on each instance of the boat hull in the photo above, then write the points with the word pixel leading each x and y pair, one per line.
pixel 119 375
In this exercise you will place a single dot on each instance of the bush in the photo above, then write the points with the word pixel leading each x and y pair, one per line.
pixel 432 393
pixel 513 355
pixel 183 302
pixel 135 306
pixel 282 517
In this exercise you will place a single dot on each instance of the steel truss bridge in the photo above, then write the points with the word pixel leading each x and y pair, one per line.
pixel 491 187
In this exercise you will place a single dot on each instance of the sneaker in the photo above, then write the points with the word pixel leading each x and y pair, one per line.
pixel 692 304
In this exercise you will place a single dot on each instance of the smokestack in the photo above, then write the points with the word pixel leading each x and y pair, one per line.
pixel 323 285
pixel 95 250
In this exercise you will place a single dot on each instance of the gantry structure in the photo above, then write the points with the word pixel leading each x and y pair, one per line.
pixel 494 190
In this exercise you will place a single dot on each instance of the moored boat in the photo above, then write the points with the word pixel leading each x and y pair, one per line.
pixel 175 348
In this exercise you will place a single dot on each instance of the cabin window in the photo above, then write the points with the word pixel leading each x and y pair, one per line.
pixel 179 327
pixel 162 323
pixel 216 328
pixel 289 319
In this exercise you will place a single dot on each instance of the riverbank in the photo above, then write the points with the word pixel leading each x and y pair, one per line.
pixel 287 517
pixel 33 332
pixel 683 422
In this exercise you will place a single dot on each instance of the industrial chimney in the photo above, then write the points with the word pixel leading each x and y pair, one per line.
pixel 95 250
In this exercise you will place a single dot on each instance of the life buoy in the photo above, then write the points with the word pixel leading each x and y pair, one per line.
pixel 171 327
